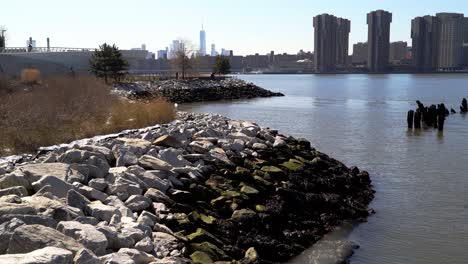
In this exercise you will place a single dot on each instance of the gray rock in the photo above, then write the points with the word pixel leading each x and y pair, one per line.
pixel 124 156
pixel 59 187
pixel 85 234
pixel 98 184
pixel 35 172
pixel 18 190
pixel 11 198
pixel 279 142
pixel 47 255
pixel 158 197
pixel 53 208
pixel 173 157
pixel 13 208
pixel 152 163
pixel 107 153
pixel 30 219
pixel 117 203
pixel 117 258
pixel 77 200
pixel 6 230
pixel 259 146
pixel 138 203
pixel 220 155
pixel 138 256
pixel 27 238
pixel 87 220
pixel 85 256
pixel 92 193
pixel 145 245
pixel 168 141
pixel 101 211
pixel 138 146
pixel 201 146
pixel 148 219
pixel 14 180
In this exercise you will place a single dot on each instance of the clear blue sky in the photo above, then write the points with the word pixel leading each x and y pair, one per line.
pixel 246 26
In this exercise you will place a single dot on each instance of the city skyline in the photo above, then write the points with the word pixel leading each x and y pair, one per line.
pixel 155 22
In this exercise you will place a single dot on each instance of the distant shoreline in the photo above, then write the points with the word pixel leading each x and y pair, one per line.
pixel 349 73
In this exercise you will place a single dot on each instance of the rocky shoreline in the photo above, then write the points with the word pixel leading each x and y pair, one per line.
pixel 201 189
pixel 196 90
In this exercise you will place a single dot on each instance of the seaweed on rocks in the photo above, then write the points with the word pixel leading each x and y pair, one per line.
pixel 201 189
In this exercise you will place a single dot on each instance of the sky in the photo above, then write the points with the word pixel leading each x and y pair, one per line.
pixel 245 26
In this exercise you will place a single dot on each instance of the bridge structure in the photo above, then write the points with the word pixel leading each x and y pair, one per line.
pixel 12 50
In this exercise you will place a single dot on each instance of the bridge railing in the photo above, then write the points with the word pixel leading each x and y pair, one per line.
pixel 43 49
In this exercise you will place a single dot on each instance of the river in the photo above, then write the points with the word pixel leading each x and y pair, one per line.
pixel 421 177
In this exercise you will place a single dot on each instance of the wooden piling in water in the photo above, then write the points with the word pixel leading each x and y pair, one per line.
pixel 417 119
pixel 410 119
pixel 441 111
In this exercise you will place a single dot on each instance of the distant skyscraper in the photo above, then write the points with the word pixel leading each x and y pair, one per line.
pixel 465 30
pixel 342 41
pixel 213 50
pixel 331 41
pixel 378 40
pixel 424 32
pixel 398 51
pixel 202 42
pixel 143 46
pixel 163 54
pixel 450 46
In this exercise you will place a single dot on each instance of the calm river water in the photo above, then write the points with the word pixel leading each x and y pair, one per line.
pixel 421 177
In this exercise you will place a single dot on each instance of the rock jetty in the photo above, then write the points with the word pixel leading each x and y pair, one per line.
pixel 201 189
pixel 196 90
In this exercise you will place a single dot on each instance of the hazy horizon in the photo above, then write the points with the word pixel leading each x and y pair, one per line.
pixel 246 27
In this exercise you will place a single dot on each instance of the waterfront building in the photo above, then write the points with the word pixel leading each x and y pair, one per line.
pixel 360 53
pixel 202 50
pixel 398 51
pixel 425 37
pixel 450 44
pixel 378 40
pixel 331 41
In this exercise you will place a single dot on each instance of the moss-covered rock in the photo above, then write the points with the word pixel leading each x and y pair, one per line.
pixel 201 235
pixel 200 257
pixel 249 190
pixel 293 165
pixel 207 219
pixel 213 251
pixel 272 169
pixel 242 214
pixel 260 208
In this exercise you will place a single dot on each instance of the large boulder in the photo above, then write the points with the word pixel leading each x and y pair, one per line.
pixel 18 190
pixel 58 188
pixel 14 180
pixel 138 203
pixel 27 238
pixel 13 208
pixel 35 172
pixel 53 208
pixel 168 141
pixel 152 163
pixel 85 234
pixel 101 211
pixel 47 255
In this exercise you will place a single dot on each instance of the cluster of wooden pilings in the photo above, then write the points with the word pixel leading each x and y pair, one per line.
pixel 433 116
pixel 464 107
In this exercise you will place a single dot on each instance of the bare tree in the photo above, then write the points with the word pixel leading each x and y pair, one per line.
pixel 183 57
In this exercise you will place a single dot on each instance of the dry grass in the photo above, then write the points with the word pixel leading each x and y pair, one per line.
pixel 30 76
pixel 64 109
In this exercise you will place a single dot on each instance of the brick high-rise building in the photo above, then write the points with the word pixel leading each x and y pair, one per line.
pixel 331 42
pixel 378 40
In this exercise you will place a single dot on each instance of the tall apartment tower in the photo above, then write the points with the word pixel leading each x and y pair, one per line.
pixel 378 40
pixel 202 42
pixel 425 36
pixel 331 42
pixel 342 41
pixel 450 44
